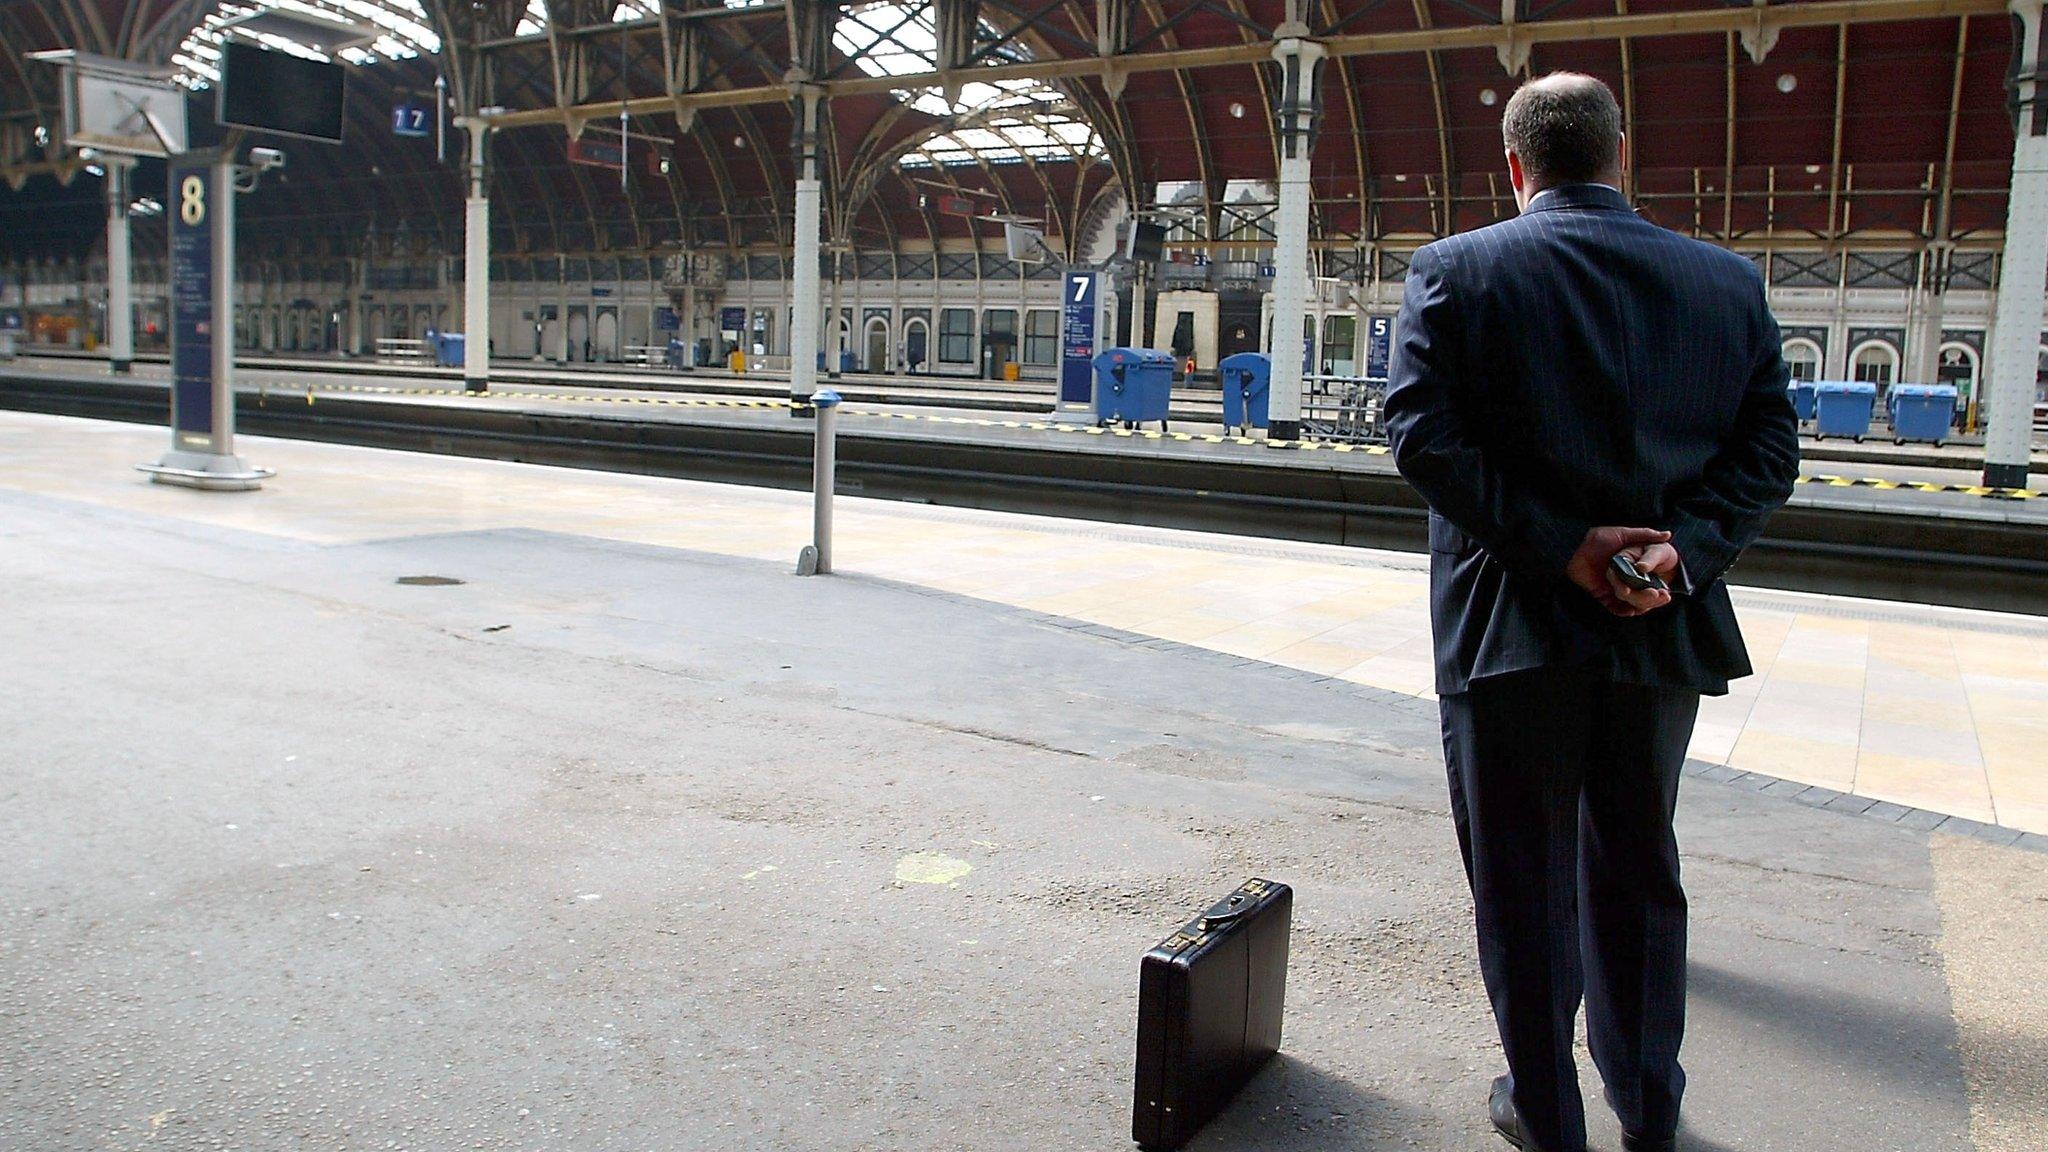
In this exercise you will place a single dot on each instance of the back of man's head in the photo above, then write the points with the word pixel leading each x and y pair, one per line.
pixel 1566 127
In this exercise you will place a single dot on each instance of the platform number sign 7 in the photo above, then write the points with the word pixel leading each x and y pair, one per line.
pixel 1081 286
pixel 410 120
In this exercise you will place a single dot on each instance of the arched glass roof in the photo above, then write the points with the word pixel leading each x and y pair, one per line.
pixel 402 24
pixel 1015 120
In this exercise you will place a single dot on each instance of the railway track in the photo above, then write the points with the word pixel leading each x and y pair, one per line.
pixel 1909 554
pixel 906 391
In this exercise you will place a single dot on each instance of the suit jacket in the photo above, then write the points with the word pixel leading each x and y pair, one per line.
pixel 1579 366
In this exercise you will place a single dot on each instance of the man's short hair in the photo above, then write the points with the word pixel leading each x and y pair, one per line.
pixel 1566 127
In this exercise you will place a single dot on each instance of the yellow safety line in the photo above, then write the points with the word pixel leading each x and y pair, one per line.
pixel 1085 429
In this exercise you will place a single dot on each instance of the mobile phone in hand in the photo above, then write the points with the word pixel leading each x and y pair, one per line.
pixel 1635 577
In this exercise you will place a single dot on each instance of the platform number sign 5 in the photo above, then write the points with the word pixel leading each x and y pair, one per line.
pixel 192 201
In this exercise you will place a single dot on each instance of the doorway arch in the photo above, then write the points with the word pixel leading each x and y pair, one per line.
pixel 1874 362
pixel 1803 358
pixel 876 358
pixel 916 344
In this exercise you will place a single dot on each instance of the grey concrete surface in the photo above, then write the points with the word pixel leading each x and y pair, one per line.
pixel 613 847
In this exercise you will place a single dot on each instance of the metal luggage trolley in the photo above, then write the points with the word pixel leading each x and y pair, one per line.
pixel 1343 409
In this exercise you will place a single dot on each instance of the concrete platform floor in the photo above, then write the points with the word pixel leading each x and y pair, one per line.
pixel 625 843
pixel 1914 707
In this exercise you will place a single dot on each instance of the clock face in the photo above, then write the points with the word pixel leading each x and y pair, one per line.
pixel 122 112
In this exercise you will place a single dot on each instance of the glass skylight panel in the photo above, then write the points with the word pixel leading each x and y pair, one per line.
pixel 402 23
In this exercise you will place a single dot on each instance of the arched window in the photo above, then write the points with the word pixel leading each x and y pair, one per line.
pixel 1875 362
pixel 1803 357
pixel 1956 366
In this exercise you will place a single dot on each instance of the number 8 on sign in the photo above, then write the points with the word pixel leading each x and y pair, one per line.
pixel 192 201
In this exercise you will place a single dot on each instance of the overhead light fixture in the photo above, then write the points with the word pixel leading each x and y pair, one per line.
pixel 739 141
pixel 1812 168
pixel 1787 82
pixel 326 32
pixel 1489 97
pixel 1236 110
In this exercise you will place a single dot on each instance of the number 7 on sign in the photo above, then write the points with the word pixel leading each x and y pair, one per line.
pixel 1081 284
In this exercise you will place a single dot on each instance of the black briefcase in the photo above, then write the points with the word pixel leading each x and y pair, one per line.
pixel 1209 1005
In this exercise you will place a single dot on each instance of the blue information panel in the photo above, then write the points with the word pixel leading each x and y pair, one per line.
pixel 732 319
pixel 1379 342
pixel 192 200
pixel 666 320
pixel 411 120
pixel 1081 304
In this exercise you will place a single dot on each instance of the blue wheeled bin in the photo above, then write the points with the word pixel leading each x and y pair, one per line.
pixel 1922 412
pixel 1843 408
pixel 1247 385
pixel 1802 399
pixel 448 349
pixel 1133 385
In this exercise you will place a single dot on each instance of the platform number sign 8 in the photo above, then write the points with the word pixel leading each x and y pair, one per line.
pixel 192 201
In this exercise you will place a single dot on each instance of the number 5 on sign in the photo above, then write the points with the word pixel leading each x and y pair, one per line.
pixel 192 201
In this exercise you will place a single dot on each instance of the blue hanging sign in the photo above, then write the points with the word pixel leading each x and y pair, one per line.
pixel 192 199
pixel 732 319
pixel 1379 342
pixel 666 320
pixel 412 120
pixel 598 154
pixel 1081 302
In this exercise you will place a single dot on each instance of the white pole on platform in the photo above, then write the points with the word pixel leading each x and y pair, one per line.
pixel 816 557
pixel 120 312
pixel 224 333
pixel 804 321
pixel 476 269
pixel 2016 323
pixel 1295 119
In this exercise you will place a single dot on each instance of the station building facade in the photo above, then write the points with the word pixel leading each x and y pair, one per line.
pixel 1848 315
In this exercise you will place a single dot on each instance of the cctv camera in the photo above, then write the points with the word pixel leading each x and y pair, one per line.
pixel 266 159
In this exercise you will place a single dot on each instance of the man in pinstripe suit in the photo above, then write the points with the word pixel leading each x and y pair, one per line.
pixel 1566 386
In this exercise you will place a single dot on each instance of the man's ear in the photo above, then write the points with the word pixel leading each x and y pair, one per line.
pixel 1516 177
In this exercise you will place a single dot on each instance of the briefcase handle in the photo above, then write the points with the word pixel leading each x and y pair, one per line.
pixel 1238 904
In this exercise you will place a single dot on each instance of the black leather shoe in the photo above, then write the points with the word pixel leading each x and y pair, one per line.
pixel 1507 1119
pixel 1638 1143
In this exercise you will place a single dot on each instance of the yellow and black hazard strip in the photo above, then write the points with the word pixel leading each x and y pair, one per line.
pixel 1049 426
pixel 1919 486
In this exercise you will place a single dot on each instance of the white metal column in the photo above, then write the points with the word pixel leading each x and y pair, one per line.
pixel 805 322
pixel 476 269
pixel 120 310
pixel 2016 325
pixel 1295 120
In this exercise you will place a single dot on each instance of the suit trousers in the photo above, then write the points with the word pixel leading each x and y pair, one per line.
pixel 1563 786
